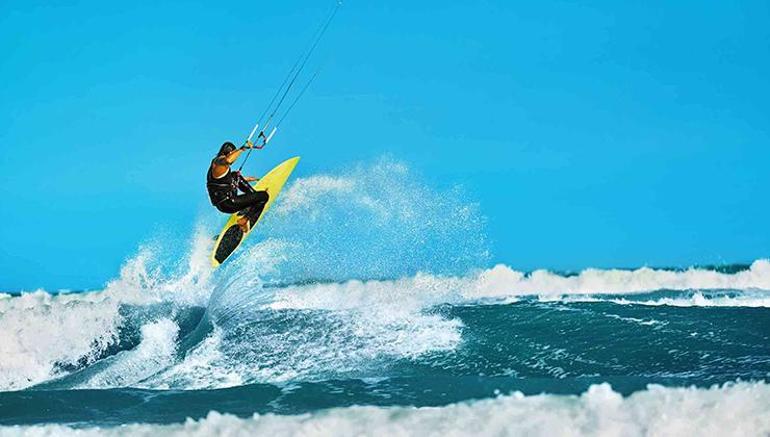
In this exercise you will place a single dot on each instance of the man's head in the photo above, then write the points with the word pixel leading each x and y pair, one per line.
pixel 226 149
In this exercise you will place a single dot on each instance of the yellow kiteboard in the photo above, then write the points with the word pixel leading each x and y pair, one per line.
pixel 232 236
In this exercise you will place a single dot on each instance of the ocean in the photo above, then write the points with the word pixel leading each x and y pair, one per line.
pixel 365 306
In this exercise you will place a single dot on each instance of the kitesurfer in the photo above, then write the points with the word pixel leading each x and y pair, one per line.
pixel 223 185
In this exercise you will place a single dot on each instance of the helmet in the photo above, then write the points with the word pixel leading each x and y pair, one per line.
pixel 226 149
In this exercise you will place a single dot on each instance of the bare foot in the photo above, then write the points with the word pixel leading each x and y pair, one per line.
pixel 244 224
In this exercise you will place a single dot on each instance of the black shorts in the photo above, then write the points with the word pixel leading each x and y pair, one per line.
pixel 243 201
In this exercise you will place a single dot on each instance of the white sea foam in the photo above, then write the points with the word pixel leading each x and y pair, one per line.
pixel 41 334
pixel 747 299
pixel 364 320
pixel 205 366
pixel 502 281
pixel 39 331
pixel 741 409
pixel 401 295
pixel 346 337
pixel 154 353
pixel 380 317
pixel 698 299
pixel 372 221
pixel 87 323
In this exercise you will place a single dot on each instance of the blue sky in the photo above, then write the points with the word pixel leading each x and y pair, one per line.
pixel 592 134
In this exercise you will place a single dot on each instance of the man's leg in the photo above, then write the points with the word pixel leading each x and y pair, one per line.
pixel 250 206
pixel 244 201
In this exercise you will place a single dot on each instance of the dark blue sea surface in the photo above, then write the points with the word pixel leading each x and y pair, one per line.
pixel 532 346
pixel 378 311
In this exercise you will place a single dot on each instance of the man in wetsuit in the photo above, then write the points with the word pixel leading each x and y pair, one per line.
pixel 223 185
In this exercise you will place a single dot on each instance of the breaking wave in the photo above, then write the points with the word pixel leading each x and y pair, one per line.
pixel 130 335
pixel 741 409
pixel 367 287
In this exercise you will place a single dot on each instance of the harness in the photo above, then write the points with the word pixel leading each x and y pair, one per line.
pixel 221 189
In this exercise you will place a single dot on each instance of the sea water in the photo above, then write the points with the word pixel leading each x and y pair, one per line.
pixel 368 304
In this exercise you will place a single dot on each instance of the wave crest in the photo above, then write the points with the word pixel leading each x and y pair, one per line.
pixel 741 409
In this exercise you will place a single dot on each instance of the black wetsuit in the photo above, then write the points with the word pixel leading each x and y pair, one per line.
pixel 223 192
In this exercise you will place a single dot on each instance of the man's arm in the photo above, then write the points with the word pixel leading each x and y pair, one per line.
pixel 226 161
pixel 233 156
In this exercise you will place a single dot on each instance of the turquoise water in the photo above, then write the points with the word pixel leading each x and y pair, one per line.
pixel 371 316
pixel 527 346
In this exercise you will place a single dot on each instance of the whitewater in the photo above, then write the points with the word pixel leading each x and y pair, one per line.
pixel 368 303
